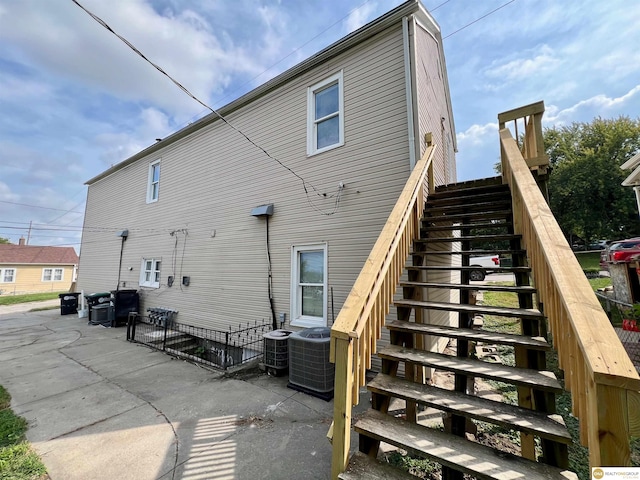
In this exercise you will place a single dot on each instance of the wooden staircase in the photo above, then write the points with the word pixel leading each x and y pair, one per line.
pixel 477 217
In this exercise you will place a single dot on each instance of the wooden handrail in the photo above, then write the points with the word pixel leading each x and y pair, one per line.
pixel 532 146
pixel 360 321
pixel 598 372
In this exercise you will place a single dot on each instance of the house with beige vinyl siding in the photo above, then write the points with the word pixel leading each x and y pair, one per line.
pixel 333 142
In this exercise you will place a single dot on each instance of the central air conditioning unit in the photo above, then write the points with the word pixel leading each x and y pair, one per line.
pixel 309 368
pixel 276 351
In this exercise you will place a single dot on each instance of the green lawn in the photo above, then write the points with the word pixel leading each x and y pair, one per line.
pixel 588 260
pixel 17 460
pixel 29 297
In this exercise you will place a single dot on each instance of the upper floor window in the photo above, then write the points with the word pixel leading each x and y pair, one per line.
pixel 150 273
pixel 7 275
pixel 52 274
pixel 153 184
pixel 325 116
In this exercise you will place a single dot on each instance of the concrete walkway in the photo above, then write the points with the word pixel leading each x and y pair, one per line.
pixel 100 407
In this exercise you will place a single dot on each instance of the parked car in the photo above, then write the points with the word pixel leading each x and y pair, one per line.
pixel 598 245
pixel 484 264
pixel 621 251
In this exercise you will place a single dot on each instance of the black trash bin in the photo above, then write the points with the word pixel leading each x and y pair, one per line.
pixel 96 299
pixel 124 302
pixel 68 303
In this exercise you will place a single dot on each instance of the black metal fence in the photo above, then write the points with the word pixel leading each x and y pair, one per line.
pixel 623 319
pixel 218 348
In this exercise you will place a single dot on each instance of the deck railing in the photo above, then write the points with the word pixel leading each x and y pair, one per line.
pixel 360 321
pixel 597 370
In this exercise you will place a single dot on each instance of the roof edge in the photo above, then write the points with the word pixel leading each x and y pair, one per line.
pixel 354 38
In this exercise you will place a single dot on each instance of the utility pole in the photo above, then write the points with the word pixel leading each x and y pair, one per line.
pixel 29 234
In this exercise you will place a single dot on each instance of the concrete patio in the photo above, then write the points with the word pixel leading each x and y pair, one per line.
pixel 100 407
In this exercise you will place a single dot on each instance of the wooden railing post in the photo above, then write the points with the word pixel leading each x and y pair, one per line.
pixel 609 437
pixel 342 405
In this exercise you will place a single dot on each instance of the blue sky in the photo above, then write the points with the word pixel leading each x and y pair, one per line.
pixel 74 100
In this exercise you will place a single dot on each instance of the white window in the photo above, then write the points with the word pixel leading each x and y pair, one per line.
pixel 325 116
pixel 153 184
pixel 52 274
pixel 7 275
pixel 309 286
pixel 150 273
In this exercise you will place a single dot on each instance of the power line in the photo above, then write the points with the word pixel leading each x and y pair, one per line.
pixel 478 19
pixel 294 51
pixel 38 206
pixel 215 112
pixel 435 8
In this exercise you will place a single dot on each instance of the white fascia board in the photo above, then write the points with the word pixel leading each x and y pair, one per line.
pixel 633 162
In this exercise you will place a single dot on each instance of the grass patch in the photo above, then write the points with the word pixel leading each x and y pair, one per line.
pixel 601 282
pixel 17 460
pixel 419 467
pixel 588 260
pixel 27 297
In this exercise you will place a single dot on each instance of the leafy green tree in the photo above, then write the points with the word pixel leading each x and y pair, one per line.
pixel 585 191
pixel 4 240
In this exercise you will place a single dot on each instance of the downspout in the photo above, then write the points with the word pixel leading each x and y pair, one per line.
pixel 408 92
pixel 270 281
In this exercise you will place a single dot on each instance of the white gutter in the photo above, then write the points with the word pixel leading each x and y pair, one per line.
pixel 408 92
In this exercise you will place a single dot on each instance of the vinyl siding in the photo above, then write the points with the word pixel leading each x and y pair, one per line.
pixel 29 280
pixel 433 117
pixel 210 181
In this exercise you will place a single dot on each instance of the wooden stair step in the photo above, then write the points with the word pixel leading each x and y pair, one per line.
pixel 528 313
pixel 540 424
pixel 471 187
pixel 363 467
pixel 465 226
pixel 524 377
pixel 456 452
pixel 473 238
pixel 501 195
pixel 430 210
pixel 504 213
pixel 486 288
pixel 531 343
pixel 475 253
pixel 469 268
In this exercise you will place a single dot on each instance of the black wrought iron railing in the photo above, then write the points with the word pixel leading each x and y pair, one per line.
pixel 217 348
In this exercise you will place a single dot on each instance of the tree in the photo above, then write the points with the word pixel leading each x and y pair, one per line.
pixel 585 191
pixel 4 240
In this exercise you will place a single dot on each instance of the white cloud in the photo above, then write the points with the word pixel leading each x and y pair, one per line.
pixel 600 104
pixel 359 16
pixel 537 61
pixel 67 42
pixel 477 135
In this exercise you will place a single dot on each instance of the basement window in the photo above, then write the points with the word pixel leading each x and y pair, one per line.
pixel 150 273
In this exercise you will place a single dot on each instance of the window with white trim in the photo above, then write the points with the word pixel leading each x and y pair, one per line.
pixel 52 274
pixel 7 275
pixel 150 273
pixel 325 115
pixel 153 183
pixel 309 286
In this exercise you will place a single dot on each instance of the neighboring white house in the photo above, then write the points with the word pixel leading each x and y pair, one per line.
pixel 349 121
